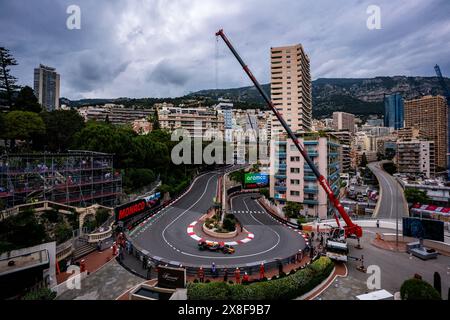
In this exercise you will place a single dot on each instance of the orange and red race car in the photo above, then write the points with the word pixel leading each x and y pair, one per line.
pixel 215 246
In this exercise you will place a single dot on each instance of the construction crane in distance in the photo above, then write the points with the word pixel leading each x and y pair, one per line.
pixel 350 229
pixel 447 96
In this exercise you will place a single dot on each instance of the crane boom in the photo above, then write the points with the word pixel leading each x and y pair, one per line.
pixel 351 229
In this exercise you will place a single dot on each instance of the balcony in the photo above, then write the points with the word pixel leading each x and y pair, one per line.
pixel 310 190
pixel 310 201
pixel 310 142
pixel 280 196
pixel 312 154
pixel 333 154
pixel 334 165
pixel 280 187
pixel 282 165
pixel 281 155
pixel 333 175
pixel 280 173
pixel 310 178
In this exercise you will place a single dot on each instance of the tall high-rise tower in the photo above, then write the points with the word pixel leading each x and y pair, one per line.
pixel 429 114
pixel 46 87
pixel 291 88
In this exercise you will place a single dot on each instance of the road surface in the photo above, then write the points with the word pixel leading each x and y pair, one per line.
pixel 392 199
pixel 165 235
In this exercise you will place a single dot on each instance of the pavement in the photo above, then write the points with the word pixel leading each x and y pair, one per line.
pixel 395 268
pixel 392 199
pixel 107 283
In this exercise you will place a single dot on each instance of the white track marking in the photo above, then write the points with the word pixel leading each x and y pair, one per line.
pixel 184 212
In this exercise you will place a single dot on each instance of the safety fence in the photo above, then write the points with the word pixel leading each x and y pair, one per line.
pixel 147 259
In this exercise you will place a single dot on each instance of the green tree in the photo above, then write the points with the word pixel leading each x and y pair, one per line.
pixel 27 101
pixel 61 128
pixel 155 121
pixel 63 232
pixel 7 81
pixel 292 209
pixel 416 289
pixel 265 192
pixel 101 216
pixel 22 125
pixel 102 137
pixel 237 176
pixel 40 294
pixel 416 196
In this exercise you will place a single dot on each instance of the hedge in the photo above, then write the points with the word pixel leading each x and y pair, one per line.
pixel 289 287
pixel 416 289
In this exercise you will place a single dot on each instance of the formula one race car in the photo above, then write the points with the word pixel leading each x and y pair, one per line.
pixel 216 246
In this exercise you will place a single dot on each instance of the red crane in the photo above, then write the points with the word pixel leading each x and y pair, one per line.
pixel 351 229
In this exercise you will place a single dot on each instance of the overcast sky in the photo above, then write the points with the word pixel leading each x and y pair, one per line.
pixel 151 48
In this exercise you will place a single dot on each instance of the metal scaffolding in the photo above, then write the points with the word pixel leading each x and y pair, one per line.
pixel 77 178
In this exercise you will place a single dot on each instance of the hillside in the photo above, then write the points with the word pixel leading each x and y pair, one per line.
pixel 362 97
pixel 359 96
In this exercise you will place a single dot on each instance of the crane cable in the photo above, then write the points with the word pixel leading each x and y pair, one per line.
pixel 216 64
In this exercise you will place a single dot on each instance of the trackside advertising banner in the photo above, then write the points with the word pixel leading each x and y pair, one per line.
pixel 256 180
pixel 136 207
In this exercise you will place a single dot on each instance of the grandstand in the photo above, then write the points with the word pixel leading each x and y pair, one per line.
pixel 77 178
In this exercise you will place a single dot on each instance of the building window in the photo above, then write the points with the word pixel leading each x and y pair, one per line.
pixel 295 193
pixel 295 170
pixel 295 181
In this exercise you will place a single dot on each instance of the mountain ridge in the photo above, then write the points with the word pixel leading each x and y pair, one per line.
pixel 360 96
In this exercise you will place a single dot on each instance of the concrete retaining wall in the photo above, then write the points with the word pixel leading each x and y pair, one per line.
pixel 220 235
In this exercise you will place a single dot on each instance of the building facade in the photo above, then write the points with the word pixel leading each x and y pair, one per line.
pixel 429 115
pixel 393 111
pixel 416 157
pixel 194 120
pixel 46 87
pixel 115 114
pixel 345 142
pixel 291 88
pixel 344 121
pixel 293 180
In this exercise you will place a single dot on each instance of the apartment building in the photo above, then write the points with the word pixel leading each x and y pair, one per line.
pixel 344 121
pixel 345 142
pixel 46 87
pixel 411 133
pixel 416 157
pixel 429 114
pixel 293 180
pixel 115 114
pixel 291 88
pixel 194 120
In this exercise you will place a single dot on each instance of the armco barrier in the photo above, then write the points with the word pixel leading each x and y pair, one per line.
pixel 192 270
pixel 251 268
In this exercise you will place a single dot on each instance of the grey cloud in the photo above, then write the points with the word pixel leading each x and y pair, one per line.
pixel 167 73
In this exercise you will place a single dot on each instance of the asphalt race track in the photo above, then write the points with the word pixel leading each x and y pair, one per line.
pixel 165 236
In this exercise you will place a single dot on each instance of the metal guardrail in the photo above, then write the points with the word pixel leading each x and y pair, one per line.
pixel 251 268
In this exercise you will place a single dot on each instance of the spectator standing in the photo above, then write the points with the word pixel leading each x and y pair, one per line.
pixel 237 275
pixel 201 274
